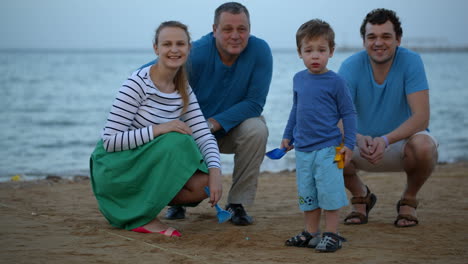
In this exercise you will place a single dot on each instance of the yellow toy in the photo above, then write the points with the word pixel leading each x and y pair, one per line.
pixel 339 158
pixel 16 178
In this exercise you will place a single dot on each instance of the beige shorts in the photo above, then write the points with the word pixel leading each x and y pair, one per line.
pixel 393 157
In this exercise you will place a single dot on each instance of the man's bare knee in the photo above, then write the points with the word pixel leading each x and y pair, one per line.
pixel 421 149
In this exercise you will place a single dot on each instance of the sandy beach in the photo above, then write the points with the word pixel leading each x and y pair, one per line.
pixel 58 221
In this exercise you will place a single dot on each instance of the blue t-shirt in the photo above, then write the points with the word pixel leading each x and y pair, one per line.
pixel 381 108
pixel 230 94
pixel 319 102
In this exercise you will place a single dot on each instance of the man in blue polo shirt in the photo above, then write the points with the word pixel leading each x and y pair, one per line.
pixel 390 92
pixel 230 72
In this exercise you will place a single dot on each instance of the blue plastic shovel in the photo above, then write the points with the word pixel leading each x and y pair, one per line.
pixel 222 215
pixel 278 153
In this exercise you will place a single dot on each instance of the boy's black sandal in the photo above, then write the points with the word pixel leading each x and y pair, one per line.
pixel 304 239
pixel 330 242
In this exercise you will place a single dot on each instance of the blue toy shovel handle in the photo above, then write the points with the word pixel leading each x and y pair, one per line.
pixel 222 214
pixel 207 191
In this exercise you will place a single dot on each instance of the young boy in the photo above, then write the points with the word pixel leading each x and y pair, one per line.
pixel 321 99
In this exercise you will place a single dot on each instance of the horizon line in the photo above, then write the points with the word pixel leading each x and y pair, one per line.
pixel 461 48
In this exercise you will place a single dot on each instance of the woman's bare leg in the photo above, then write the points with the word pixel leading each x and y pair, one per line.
pixel 193 191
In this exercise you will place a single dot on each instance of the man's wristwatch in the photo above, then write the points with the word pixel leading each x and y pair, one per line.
pixel 210 126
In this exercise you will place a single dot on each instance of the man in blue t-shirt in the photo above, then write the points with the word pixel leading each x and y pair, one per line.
pixel 390 92
pixel 230 73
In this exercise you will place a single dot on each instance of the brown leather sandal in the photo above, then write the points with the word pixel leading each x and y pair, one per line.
pixel 408 202
pixel 369 200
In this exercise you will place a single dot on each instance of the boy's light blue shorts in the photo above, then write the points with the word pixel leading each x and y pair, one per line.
pixel 320 183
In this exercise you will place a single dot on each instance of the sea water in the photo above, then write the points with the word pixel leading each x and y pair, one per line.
pixel 55 103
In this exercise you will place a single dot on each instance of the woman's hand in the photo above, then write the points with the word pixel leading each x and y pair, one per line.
pixel 216 186
pixel 172 126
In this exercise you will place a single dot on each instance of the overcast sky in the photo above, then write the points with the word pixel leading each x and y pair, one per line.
pixel 130 24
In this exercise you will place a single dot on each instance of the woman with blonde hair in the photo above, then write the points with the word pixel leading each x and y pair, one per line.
pixel 156 148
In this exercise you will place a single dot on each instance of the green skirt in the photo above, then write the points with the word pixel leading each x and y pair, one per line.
pixel 133 186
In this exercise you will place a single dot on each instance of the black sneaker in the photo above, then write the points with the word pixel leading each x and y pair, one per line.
pixel 175 212
pixel 330 242
pixel 239 216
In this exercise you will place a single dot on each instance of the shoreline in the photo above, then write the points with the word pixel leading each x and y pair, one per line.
pixel 58 221
pixel 79 177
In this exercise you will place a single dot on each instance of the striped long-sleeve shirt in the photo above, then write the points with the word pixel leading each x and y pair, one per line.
pixel 139 105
